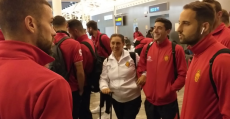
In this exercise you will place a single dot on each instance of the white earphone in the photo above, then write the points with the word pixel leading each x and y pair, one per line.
pixel 202 31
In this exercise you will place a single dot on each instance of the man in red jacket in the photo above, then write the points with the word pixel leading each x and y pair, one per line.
pixel 1 36
pixel 200 100
pixel 140 42
pixel 28 90
pixel 102 45
pixel 137 33
pixel 101 41
pixel 77 32
pixel 161 82
pixel 220 31
pixel 225 18
pixel 72 54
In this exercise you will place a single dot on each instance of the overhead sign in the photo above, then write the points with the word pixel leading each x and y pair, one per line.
pixel 159 7
pixel 119 21
pixel 108 17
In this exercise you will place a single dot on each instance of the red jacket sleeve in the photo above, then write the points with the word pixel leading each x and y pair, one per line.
pixel 54 102
pixel 85 55
pixel 106 42
pixel 181 69
pixel 141 67
pixel 77 52
pixel 221 77
pixel 133 35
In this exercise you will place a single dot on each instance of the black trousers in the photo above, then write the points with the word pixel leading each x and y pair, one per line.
pixel 169 111
pixel 84 112
pixel 127 110
pixel 105 98
pixel 76 104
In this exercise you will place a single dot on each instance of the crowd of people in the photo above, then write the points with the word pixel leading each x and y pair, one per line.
pixel 33 44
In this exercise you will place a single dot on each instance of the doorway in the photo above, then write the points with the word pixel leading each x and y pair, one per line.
pixel 153 18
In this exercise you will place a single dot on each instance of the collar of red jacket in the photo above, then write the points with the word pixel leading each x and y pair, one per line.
pixel 21 50
pixel 164 43
pixel 203 44
pixel 97 37
pixel 219 29
pixel 1 36
pixel 81 38
pixel 59 36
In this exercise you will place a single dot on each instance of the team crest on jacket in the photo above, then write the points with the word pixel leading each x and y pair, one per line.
pixel 197 76
pixel 127 64
pixel 166 58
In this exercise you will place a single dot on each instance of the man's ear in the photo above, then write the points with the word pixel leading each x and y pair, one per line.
pixel 168 31
pixel 30 24
pixel 219 14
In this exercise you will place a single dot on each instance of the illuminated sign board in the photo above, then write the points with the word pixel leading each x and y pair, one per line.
pixel 108 17
pixel 159 8
pixel 120 21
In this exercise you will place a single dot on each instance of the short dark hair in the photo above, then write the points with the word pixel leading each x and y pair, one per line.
pixel 13 13
pixel 225 17
pixel 75 24
pixel 216 3
pixel 118 35
pixel 92 24
pixel 59 21
pixel 204 12
pixel 166 22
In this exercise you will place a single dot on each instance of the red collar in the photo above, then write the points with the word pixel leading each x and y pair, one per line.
pixel 203 44
pixel 17 49
pixel 219 29
pixel 164 43
pixel 59 36
pixel 82 38
pixel 97 37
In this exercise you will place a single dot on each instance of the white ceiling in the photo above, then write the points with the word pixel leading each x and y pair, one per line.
pixel 93 7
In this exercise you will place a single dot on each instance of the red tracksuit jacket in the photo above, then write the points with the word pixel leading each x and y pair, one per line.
pixel 143 42
pixel 200 101
pixel 160 87
pixel 222 34
pixel 28 90
pixel 105 41
pixel 137 34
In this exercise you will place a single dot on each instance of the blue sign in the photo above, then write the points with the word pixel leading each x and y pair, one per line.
pixel 159 7
pixel 154 9
pixel 119 23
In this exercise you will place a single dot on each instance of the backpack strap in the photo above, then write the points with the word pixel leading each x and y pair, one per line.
pixel 225 50
pixel 147 50
pixel 102 45
pixel 133 56
pixel 59 42
pixel 174 59
pixel 90 48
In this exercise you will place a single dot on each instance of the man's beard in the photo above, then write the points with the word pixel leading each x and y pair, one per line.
pixel 90 33
pixel 44 44
pixel 192 40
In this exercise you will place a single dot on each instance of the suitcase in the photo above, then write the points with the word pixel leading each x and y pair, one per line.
pixel 110 106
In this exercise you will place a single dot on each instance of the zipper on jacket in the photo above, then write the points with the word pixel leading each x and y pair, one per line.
pixel 155 93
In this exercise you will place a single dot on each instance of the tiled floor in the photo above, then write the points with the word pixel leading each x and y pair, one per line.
pixel 141 115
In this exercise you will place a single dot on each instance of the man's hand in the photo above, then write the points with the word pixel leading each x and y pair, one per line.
pixel 106 91
pixel 141 80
